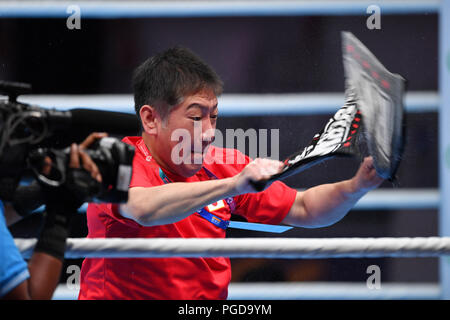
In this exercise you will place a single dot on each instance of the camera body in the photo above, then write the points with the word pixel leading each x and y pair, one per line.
pixel 29 134
pixel 113 158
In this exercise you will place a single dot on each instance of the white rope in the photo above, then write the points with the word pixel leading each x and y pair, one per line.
pixel 281 248
pixel 400 199
pixel 201 8
pixel 308 291
pixel 233 105
pixel 332 291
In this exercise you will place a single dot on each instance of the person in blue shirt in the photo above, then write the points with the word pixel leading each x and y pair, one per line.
pixel 38 278
pixel 13 268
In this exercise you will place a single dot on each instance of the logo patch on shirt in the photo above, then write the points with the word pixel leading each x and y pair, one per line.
pixel 216 206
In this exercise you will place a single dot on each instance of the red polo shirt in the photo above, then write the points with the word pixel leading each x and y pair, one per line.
pixel 174 278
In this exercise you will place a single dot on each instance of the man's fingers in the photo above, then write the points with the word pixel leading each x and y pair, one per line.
pixel 92 138
pixel 47 166
pixel 90 166
pixel 256 171
pixel 264 168
pixel 368 161
pixel 74 161
pixel 269 167
pixel 368 175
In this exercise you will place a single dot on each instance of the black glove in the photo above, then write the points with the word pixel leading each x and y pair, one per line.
pixel 61 203
pixel 28 198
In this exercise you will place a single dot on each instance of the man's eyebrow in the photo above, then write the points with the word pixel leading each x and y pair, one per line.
pixel 201 106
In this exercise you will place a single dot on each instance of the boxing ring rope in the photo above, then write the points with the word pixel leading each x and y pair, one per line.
pixel 218 8
pixel 232 105
pixel 270 248
pixel 330 291
pixel 280 248
pixel 308 291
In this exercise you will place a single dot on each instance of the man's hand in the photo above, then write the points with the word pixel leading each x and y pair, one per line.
pixel 87 162
pixel 258 169
pixel 92 138
pixel 79 156
pixel 77 188
pixel 366 178
pixel 28 198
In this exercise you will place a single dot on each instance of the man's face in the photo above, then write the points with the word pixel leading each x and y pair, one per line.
pixel 187 132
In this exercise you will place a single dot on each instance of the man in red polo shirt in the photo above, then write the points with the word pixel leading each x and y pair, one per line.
pixel 192 193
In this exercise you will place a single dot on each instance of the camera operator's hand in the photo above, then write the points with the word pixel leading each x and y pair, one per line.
pixel 76 154
pixel 93 137
pixel 88 164
pixel 30 197
pixel 83 179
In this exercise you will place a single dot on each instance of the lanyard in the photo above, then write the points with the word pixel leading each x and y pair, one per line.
pixel 223 224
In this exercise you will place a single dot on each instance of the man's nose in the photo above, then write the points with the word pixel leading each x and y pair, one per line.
pixel 208 132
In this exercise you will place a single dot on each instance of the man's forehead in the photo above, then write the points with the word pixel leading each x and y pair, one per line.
pixel 204 98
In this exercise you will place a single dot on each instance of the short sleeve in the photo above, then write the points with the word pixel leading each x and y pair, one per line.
pixel 144 174
pixel 269 206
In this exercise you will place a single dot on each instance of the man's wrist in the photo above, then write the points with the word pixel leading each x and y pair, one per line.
pixel 53 236
pixel 355 190
pixel 232 187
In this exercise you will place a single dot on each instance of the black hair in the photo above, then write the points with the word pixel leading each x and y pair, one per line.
pixel 165 78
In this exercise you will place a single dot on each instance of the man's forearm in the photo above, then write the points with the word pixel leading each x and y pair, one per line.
pixel 173 202
pixel 329 203
pixel 324 205
pixel 45 271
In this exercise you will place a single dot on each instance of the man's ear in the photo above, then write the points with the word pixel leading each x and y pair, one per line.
pixel 149 118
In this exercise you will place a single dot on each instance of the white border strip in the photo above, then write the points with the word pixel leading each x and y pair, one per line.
pixel 399 199
pixel 178 9
pixel 308 291
pixel 232 105
pixel 332 291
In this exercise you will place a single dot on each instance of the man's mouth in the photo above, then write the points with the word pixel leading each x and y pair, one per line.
pixel 201 150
